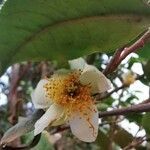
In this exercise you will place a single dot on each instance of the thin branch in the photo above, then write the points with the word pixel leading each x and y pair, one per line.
pixel 144 107
pixel 135 143
pixel 17 74
pixel 99 97
pixel 124 51
pixel 112 65
pixel 137 45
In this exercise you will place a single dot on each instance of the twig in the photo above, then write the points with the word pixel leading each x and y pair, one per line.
pixel 14 103
pixel 124 111
pixel 112 65
pixel 124 51
pixel 17 74
pixel 136 142
pixel 99 97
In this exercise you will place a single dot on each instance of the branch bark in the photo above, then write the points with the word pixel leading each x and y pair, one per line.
pixel 101 97
pixel 139 108
pixel 124 51
pixel 17 74
pixel 13 96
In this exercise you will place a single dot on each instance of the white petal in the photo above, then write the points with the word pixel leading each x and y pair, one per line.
pixel 80 127
pixel 39 96
pixel 61 120
pixel 52 114
pixel 98 82
pixel 78 63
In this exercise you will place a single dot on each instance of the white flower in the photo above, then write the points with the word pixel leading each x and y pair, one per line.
pixel 67 98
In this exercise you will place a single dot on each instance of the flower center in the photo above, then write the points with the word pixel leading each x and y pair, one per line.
pixel 67 91
pixel 73 90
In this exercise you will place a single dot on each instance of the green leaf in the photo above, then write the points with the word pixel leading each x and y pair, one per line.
pixel 144 52
pixel 66 29
pixel 23 126
pixel 102 106
pixel 102 140
pixel 44 142
pixel 137 118
pixel 122 137
pixel 145 122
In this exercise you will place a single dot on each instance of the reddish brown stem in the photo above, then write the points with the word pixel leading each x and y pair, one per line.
pixel 124 111
pixel 123 52
pixel 13 97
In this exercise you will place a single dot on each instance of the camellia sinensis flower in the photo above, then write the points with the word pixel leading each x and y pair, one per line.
pixel 68 98
pixel 129 78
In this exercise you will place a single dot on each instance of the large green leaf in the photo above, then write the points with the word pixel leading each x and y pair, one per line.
pixel 65 29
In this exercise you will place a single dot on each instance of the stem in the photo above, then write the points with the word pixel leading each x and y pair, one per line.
pixel 144 107
pixel 99 97
pixel 124 51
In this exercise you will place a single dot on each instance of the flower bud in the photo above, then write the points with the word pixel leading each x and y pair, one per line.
pixel 129 78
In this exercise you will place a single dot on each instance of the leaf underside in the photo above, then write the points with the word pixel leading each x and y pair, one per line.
pixel 65 29
pixel 23 126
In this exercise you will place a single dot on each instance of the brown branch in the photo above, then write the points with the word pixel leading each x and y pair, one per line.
pixel 46 68
pixel 14 95
pixel 135 143
pixel 17 74
pixel 112 65
pixel 137 45
pixel 99 97
pixel 139 108
pixel 124 51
